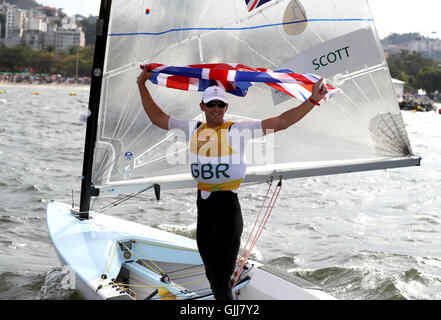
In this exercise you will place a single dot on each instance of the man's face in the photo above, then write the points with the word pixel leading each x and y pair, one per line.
pixel 214 110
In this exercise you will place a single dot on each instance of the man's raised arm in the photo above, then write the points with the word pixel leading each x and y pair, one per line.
pixel 154 112
pixel 288 118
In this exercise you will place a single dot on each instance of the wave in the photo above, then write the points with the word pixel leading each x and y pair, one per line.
pixel 19 286
pixel 186 231
pixel 352 283
pixel 368 281
pixel 59 284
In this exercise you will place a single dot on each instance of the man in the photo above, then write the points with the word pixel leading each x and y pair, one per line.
pixel 213 146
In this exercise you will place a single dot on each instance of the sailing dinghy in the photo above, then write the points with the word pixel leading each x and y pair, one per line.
pixel 359 129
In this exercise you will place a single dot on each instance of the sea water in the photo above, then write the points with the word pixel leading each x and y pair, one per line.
pixel 370 235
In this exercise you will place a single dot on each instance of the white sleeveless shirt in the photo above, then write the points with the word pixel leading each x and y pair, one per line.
pixel 217 155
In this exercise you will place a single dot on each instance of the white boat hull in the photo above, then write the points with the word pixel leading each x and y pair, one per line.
pixel 117 259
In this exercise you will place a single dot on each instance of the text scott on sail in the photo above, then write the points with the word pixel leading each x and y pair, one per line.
pixel 331 57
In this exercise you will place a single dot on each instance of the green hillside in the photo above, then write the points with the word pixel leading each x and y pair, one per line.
pixel 24 4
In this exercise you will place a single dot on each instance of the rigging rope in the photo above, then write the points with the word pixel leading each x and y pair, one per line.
pixel 113 204
pixel 130 196
pixel 150 260
pixel 246 252
pixel 156 269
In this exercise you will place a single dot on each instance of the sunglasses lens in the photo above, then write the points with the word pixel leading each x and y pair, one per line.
pixel 212 104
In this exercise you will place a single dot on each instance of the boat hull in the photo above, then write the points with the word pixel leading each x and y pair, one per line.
pixel 112 258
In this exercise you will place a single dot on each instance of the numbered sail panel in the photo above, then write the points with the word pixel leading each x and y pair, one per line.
pixel 335 39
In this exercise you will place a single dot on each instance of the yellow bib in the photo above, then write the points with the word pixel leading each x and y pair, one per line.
pixel 211 164
pixel 211 142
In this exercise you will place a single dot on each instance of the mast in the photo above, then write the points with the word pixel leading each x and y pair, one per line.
pixel 94 102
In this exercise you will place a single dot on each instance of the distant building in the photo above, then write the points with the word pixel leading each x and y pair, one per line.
pixel 33 39
pixel 69 23
pixel 67 38
pixel 69 35
pixel 15 21
pixel 40 28
pixel 426 47
pixel 399 89
pixel 49 37
pixel 3 9
pixel 4 6
pixel 37 24
pixel 33 35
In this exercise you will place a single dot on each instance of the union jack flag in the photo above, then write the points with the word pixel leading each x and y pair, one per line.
pixel 252 4
pixel 234 78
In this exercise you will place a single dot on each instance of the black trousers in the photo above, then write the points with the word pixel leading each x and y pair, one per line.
pixel 219 228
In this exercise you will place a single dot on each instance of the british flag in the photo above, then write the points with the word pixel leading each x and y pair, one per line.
pixel 253 4
pixel 234 78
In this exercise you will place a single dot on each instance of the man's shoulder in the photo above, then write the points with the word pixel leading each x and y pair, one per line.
pixel 247 124
pixel 175 123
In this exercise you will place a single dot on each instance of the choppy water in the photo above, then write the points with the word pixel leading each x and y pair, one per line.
pixel 372 235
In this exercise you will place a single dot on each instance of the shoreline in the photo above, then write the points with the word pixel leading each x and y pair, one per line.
pixel 82 87
pixel 45 85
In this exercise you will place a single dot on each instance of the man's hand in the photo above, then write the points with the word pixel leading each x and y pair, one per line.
pixel 143 76
pixel 294 115
pixel 319 91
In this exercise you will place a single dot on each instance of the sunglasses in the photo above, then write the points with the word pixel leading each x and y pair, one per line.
pixel 212 104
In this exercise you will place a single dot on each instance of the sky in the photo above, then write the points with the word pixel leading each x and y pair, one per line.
pixel 391 16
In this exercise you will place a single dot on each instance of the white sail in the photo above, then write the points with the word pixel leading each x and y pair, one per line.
pixel 359 129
